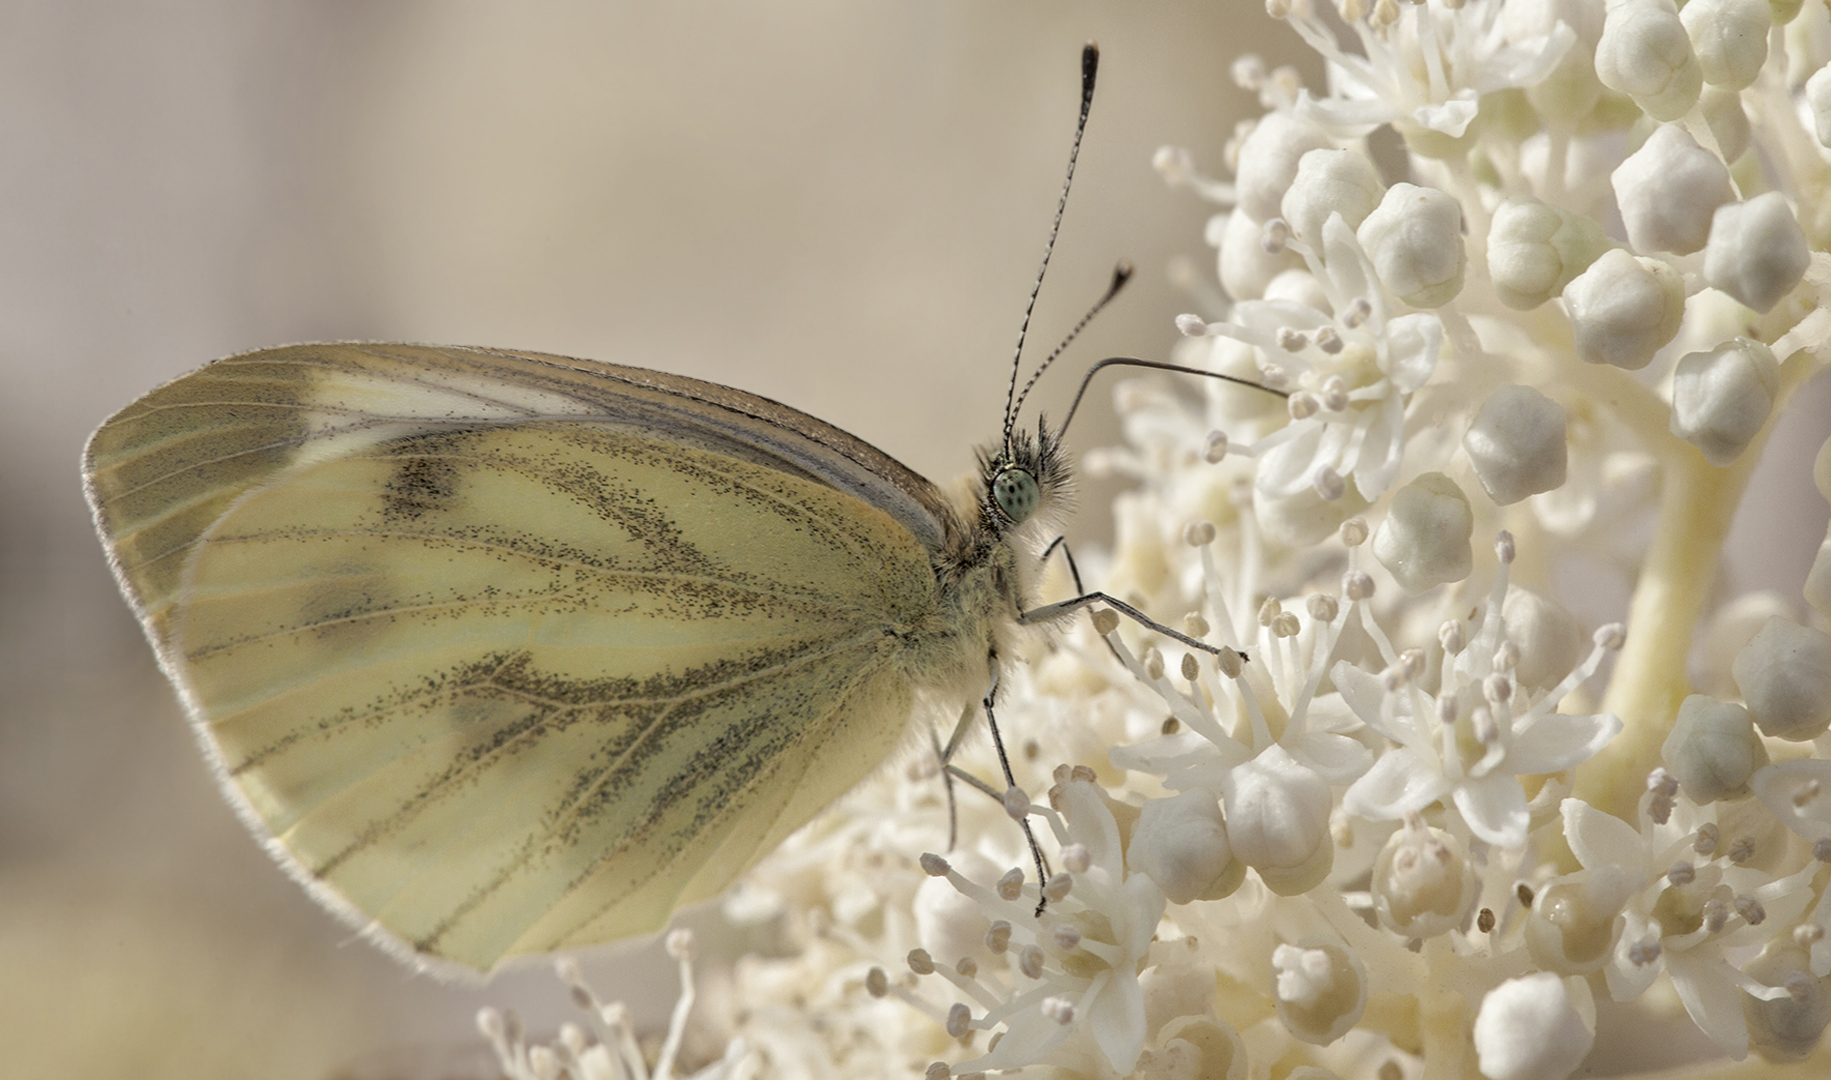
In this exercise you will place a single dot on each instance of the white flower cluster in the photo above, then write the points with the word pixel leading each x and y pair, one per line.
pixel 1433 799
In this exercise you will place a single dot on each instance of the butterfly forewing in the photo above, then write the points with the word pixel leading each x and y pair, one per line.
pixel 502 665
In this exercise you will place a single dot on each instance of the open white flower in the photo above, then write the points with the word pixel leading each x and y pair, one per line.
pixel 1469 743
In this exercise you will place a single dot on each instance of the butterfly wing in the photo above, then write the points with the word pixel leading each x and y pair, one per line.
pixel 507 653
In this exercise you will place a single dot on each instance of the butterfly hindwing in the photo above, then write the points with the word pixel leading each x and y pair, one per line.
pixel 497 670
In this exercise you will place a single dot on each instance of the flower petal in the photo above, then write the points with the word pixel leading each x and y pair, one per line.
pixel 1553 742
pixel 1495 809
pixel 1116 1018
pixel 1399 781
pixel 1708 988
pixel 1601 839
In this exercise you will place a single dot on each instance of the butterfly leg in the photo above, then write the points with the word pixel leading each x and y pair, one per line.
pixel 1012 791
pixel 1050 611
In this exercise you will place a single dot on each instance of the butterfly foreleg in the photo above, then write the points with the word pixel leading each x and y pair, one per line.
pixel 1063 607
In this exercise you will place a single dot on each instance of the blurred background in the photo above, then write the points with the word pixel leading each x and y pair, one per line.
pixel 833 203
pixel 838 204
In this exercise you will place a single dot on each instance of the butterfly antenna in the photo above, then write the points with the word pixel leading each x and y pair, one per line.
pixel 1121 274
pixel 1090 64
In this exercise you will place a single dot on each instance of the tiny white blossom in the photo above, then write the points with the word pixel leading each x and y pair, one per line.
pixel 1713 749
pixel 1528 1029
pixel 1729 38
pixel 1460 747
pixel 1667 191
pixel 1535 249
pixel 1721 399
pixel 1757 251
pixel 1414 240
pixel 1646 54
pixel 1517 444
pixel 1785 676
pixel 1624 308
pixel 1424 540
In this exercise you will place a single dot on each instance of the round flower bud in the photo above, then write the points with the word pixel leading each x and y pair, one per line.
pixel 1667 191
pixel 1181 844
pixel 1729 38
pixel 1730 628
pixel 1320 988
pixel 1268 161
pixel 1818 579
pixel 1784 673
pixel 1528 1029
pixel 1424 540
pixel 1757 251
pixel 1786 1029
pixel 1574 922
pixel 1423 882
pixel 1547 637
pixel 1517 444
pixel 1245 267
pixel 1712 750
pixel 1534 249
pixel 1646 54
pixel 1728 121
pixel 1414 239
pixel 1278 821
pixel 1722 398
pixel 1330 182
pixel 1623 309
pixel 1818 98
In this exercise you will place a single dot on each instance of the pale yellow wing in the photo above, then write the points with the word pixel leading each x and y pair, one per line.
pixel 501 686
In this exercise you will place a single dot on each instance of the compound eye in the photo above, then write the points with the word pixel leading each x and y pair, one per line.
pixel 1016 494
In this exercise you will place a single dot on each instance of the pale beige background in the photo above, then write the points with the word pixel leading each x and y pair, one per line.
pixel 837 203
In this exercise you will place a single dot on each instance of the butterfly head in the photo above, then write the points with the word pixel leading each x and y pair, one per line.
pixel 1027 484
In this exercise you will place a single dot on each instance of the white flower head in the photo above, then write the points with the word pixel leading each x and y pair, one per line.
pixel 1468 743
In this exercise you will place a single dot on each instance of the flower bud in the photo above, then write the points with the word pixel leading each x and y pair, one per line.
pixel 1546 635
pixel 1320 989
pixel 1667 191
pixel 1729 38
pixel 1269 159
pixel 1528 1029
pixel 1712 750
pixel 1784 673
pixel 1534 249
pixel 1623 309
pixel 1646 54
pixel 1414 240
pixel 1517 444
pixel 1423 882
pixel 1818 99
pixel 1757 251
pixel 1722 398
pixel 1424 540
pixel 1818 579
pixel 1574 922
pixel 1181 844
pixel 1278 821
pixel 1786 1029
pixel 1245 267
pixel 1330 182
pixel 1728 121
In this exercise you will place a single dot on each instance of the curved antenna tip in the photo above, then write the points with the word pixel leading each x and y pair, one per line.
pixel 1090 66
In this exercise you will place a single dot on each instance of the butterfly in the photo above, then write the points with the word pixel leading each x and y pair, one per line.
pixel 504 653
